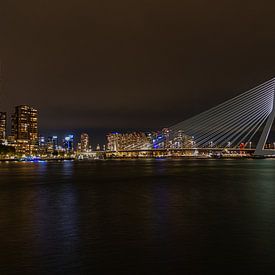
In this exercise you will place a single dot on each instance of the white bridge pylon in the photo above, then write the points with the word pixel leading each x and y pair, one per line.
pixel 235 121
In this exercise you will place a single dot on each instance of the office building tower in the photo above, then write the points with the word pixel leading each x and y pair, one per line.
pixel 68 143
pixel 52 144
pixel 25 129
pixel 3 126
pixel 42 145
pixel 84 141
pixel 117 141
pixel 25 123
pixel 55 143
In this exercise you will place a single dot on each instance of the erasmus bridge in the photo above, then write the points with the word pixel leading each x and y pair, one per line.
pixel 232 124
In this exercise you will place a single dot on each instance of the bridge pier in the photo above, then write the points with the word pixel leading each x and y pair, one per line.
pixel 260 150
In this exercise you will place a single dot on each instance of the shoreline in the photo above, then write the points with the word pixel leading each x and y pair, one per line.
pixel 139 158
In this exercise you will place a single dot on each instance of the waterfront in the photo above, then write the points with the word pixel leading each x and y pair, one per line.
pixel 137 217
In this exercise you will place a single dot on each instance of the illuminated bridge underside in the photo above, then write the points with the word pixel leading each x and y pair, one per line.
pixel 235 121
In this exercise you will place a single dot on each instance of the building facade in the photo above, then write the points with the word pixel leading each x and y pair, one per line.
pixel 3 126
pixel 127 141
pixel 84 142
pixel 24 129
pixel 68 144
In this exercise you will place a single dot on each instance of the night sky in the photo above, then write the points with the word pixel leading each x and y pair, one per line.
pixel 127 64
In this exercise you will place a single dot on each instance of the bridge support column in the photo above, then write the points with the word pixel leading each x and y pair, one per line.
pixel 260 150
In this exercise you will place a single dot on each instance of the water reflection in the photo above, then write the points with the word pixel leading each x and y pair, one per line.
pixel 55 224
pixel 148 216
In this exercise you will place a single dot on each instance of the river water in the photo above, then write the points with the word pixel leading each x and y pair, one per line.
pixel 138 217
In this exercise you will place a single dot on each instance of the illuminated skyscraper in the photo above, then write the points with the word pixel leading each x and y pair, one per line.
pixel 52 143
pixel 42 145
pixel 55 142
pixel 117 141
pixel 84 141
pixel 25 123
pixel 48 146
pixel 68 143
pixel 3 126
pixel 25 128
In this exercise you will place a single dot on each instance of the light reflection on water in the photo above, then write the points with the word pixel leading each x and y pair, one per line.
pixel 143 215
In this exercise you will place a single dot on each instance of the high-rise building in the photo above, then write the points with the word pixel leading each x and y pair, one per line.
pixel 25 129
pixel 167 139
pixel 42 145
pixel 55 143
pixel 25 123
pixel 127 141
pixel 84 141
pixel 52 144
pixel 33 124
pixel 3 126
pixel 68 143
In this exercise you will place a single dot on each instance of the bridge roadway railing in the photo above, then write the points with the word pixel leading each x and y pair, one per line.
pixel 250 150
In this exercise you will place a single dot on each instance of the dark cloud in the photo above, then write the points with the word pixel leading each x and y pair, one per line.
pixel 131 64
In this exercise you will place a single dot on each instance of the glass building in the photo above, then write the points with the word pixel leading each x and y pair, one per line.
pixel 68 143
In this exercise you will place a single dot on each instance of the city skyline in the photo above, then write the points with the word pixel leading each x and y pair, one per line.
pixel 228 130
